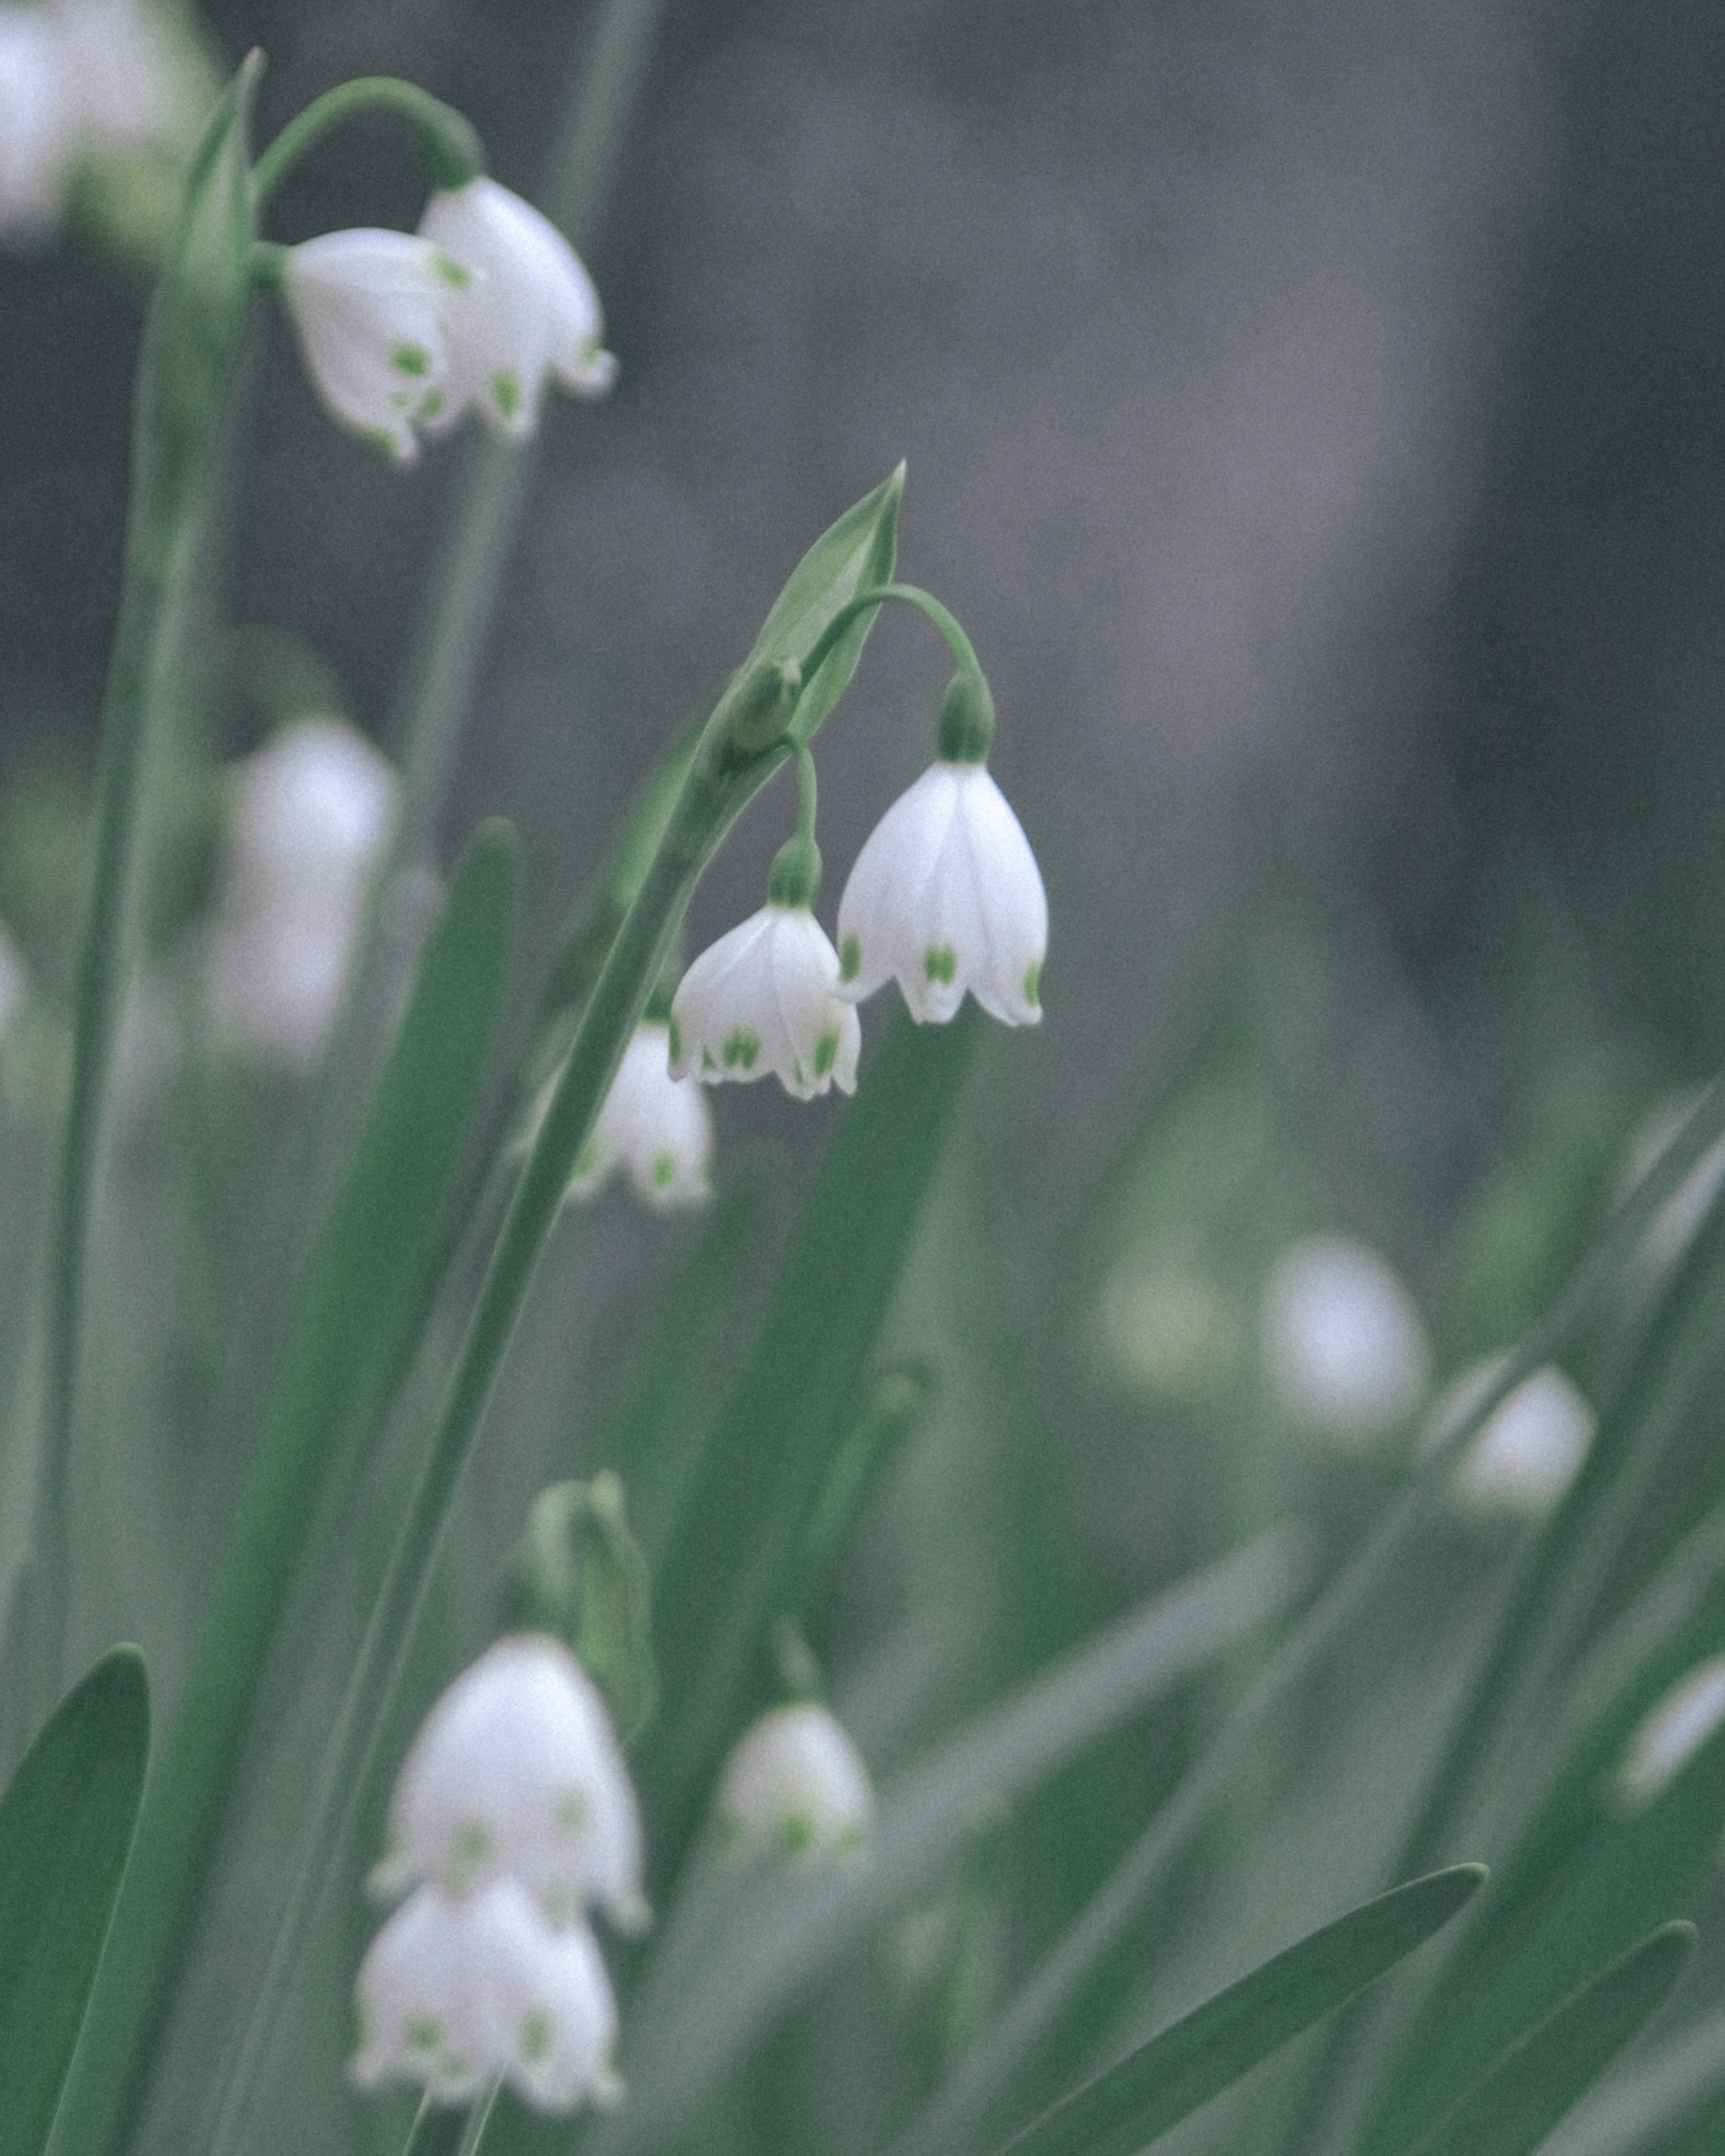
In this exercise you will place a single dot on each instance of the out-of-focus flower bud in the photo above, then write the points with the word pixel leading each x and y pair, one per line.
pixel 796 1786
pixel 1343 1346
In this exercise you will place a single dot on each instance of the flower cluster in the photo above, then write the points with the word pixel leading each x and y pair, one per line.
pixel 83 79
pixel 310 814
pixel 402 333
pixel 796 1786
pixel 513 1817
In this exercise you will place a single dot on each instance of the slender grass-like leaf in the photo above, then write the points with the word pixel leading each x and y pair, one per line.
pixel 740 1947
pixel 66 1824
pixel 732 1559
pixel 1660 2095
pixel 1550 2068
pixel 894 1411
pixel 1123 2109
pixel 369 1285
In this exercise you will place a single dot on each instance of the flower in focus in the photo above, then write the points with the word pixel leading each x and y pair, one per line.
pixel 658 1128
pixel 1527 1450
pixel 516 1772
pixel 1671 1735
pixel 39 136
pixel 454 1992
pixel 946 895
pixel 796 1786
pixel 766 998
pixel 1344 1349
pixel 531 313
pixel 311 814
pixel 369 307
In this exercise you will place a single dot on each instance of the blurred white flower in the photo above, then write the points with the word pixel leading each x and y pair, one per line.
pixel 39 134
pixel 127 78
pixel 796 1786
pixel 1673 1732
pixel 531 311
pixel 310 814
pixel 658 1128
pixel 765 997
pixel 946 894
pixel 516 1772
pixel 452 1994
pixel 1673 1227
pixel 369 307
pixel 1526 1452
pixel 1343 1346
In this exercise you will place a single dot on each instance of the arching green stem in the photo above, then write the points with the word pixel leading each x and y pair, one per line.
pixel 449 147
pixel 963 651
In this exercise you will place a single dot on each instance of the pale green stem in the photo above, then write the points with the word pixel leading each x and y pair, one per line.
pixel 449 148
pixel 963 651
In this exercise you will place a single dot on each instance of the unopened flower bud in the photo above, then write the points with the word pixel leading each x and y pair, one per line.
pixel 796 1786
pixel 758 706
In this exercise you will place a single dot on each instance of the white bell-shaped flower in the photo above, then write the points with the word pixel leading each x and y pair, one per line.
pixel 532 312
pixel 419 1992
pixel 946 895
pixel 1343 1346
pixel 515 1771
pixel 369 306
pixel 1525 1453
pixel 796 1786
pixel 453 1993
pixel 310 814
pixel 766 998
pixel 1671 1735
pixel 658 1128
pixel 39 129
pixel 130 73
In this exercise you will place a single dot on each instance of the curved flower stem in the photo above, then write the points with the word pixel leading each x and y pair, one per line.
pixel 448 146
pixel 964 658
pixel 805 792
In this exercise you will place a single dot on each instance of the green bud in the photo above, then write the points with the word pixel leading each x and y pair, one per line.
pixel 577 1572
pixel 966 728
pixel 795 880
pixel 756 708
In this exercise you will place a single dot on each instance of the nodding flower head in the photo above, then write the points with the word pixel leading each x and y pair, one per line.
pixel 657 1128
pixel 369 307
pixel 946 895
pixel 796 1786
pixel 39 129
pixel 766 998
pixel 454 1993
pixel 516 1772
pixel 531 312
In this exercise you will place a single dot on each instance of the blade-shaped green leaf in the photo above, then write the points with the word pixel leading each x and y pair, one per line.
pixel 1555 2064
pixel 1200 2055
pixel 66 1824
pixel 367 1293
pixel 894 1410
pixel 766 1465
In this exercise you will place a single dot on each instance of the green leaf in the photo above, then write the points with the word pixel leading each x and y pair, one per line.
pixel 740 1947
pixel 1553 2064
pixel 367 1295
pixel 1207 2051
pixel 66 1824
pixel 895 1407
pixel 765 1466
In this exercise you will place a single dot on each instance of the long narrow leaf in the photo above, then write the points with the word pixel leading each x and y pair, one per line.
pixel 66 1824
pixel 1209 2049
pixel 1546 2072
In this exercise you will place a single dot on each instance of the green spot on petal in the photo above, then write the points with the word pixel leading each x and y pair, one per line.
pixel 535 2036
pixel 676 1042
pixel 826 1050
pixel 940 962
pixel 706 1060
pixel 850 959
pixel 424 2034
pixel 380 437
pixel 452 272
pixel 1033 986
pixel 796 1834
pixel 665 1170
pixel 741 1047
pixel 506 389
pixel 586 1160
pixel 571 1812
pixel 412 359
pixel 433 405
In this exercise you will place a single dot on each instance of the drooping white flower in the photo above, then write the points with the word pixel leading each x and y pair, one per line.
pixel 765 997
pixel 946 895
pixel 796 1786
pixel 1526 1452
pixel 516 1772
pixel 369 306
pixel 39 133
pixel 658 1128
pixel 129 78
pixel 532 310
pixel 1343 1346
pixel 453 1993
pixel 309 814
pixel 1671 1735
